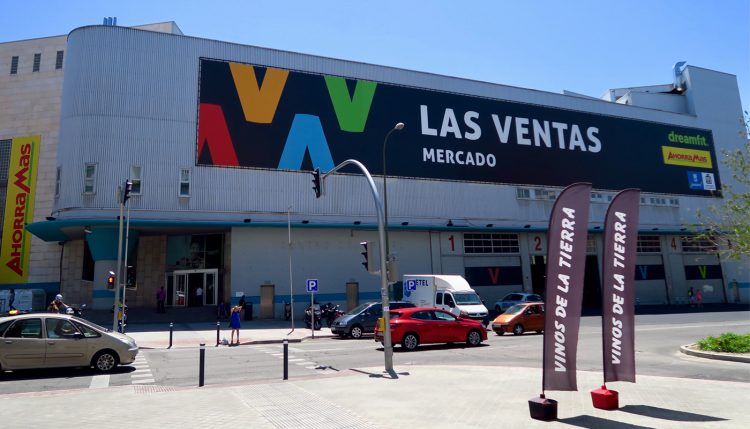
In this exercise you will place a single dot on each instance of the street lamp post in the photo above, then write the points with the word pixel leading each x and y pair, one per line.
pixel 398 127
pixel 387 344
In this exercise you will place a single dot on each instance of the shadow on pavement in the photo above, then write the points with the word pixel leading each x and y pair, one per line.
pixel 390 374
pixel 667 414
pixel 37 374
pixel 592 422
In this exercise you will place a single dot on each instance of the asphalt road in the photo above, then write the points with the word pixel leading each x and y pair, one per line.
pixel 658 338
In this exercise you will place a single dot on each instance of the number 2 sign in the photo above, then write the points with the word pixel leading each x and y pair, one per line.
pixel 538 243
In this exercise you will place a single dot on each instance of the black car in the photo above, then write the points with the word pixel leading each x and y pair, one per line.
pixel 362 319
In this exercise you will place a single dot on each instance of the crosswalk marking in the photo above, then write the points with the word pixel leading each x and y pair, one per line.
pixel 99 381
pixel 142 373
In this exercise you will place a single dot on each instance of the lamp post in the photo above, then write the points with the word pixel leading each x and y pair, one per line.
pixel 387 345
pixel 398 127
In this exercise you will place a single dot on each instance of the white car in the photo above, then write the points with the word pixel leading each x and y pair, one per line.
pixel 512 299
pixel 50 340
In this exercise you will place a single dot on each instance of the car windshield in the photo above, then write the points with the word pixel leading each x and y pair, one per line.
pixel 469 298
pixel 515 309
pixel 358 309
pixel 91 324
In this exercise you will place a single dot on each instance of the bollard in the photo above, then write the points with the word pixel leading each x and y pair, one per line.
pixel 202 365
pixel 286 358
pixel 218 328
pixel 171 330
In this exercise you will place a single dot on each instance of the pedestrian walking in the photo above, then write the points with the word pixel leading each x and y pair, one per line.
pixel 691 297
pixel 160 297
pixel 699 298
pixel 242 306
pixel 234 323
pixel 221 310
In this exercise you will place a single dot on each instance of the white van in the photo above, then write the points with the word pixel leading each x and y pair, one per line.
pixel 449 292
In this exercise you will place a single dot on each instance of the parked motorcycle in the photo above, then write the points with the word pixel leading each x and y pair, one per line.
pixel 75 311
pixel 330 312
pixel 309 317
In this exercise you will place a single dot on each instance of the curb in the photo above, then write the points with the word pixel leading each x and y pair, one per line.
pixel 733 357
pixel 246 343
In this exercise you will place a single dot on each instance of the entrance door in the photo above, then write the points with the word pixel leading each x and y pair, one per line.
pixel 194 288
pixel 352 296
pixel 267 293
pixel 538 273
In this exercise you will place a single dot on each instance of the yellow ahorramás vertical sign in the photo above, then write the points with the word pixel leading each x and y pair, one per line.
pixel 19 209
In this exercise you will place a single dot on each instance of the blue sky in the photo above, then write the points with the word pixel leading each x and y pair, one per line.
pixel 585 46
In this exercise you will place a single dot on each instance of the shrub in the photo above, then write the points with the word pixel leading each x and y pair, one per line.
pixel 727 342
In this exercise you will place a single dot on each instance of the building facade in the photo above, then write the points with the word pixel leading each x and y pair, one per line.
pixel 218 141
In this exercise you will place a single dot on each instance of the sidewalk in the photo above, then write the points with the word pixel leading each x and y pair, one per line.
pixel 153 336
pixel 421 396
pixel 447 396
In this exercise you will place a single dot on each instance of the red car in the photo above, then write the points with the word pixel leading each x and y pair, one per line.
pixel 411 327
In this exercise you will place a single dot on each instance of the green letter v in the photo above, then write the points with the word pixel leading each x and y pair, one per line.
pixel 351 112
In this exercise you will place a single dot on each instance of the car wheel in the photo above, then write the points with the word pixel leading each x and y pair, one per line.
pixel 356 332
pixel 499 333
pixel 474 338
pixel 105 361
pixel 518 329
pixel 410 341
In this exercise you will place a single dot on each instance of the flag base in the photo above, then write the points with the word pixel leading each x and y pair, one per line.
pixel 605 399
pixel 542 408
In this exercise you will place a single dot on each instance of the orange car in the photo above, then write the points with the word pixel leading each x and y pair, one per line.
pixel 520 318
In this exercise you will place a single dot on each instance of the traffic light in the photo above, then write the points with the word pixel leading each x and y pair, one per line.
pixel 369 262
pixel 126 192
pixel 316 182
pixel 111 280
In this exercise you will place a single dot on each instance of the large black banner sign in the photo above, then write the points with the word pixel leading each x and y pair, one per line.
pixel 618 286
pixel 563 291
pixel 262 117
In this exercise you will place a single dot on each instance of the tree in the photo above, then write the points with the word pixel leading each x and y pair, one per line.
pixel 729 222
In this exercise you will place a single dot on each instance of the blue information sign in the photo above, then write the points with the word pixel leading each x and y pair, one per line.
pixel 312 285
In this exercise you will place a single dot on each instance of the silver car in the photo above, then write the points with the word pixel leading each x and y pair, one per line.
pixel 49 340
pixel 512 299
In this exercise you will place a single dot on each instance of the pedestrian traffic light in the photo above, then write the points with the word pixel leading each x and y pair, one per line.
pixel 316 182
pixel 369 262
pixel 111 280
pixel 126 192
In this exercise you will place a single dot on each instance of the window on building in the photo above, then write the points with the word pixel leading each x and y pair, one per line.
pixel 490 243
pixel 184 182
pixel 698 245
pixel 59 60
pixel 57 181
pixel 14 65
pixel 37 62
pixel 648 244
pixel 135 178
pixel 590 244
pixel 89 179
pixel 523 193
